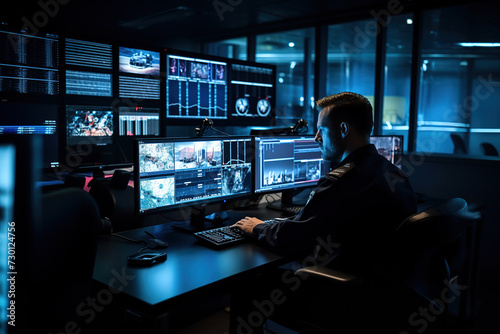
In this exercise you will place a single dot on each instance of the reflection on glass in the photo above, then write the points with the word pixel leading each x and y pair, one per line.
pixel 351 58
pixel 293 54
pixel 235 48
pixel 460 71
pixel 395 117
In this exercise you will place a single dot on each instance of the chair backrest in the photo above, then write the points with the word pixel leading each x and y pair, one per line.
pixel 432 243
pixel 62 254
pixel 489 150
pixel 458 144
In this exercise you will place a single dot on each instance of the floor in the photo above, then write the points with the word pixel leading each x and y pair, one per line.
pixel 487 310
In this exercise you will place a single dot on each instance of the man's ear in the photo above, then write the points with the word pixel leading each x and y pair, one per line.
pixel 344 129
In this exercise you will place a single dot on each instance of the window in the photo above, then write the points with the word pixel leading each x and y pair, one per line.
pixel 235 48
pixel 460 80
pixel 293 54
pixel 395 117
pixel 351 58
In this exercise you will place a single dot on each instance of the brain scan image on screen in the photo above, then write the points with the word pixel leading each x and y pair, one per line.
pixel 157 192
pixel 156 157
pixel 263 107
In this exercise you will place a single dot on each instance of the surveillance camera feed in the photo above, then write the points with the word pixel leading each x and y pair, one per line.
pixel 88 122
pixel 196 88
pixel 178 171
pixel 139 61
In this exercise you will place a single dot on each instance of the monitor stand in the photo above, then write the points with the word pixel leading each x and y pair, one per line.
pixel 199 221
pixel 286 204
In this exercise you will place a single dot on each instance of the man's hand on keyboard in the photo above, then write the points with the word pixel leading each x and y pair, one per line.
pixel 247 224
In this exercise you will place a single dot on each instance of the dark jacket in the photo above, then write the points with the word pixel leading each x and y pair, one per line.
pixel 354 210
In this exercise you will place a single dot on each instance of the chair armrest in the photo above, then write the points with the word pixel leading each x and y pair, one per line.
pixel 331 275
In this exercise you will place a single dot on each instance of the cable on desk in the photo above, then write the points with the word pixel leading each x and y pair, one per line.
pixel 273 199
pixel 128 239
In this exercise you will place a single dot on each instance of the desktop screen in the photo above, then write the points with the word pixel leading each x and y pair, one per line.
pixel 196 87
pixel 252 92
pixel 29 64
pixel 30 119
pixel 390 147
pixel 286 162
pixel 176 171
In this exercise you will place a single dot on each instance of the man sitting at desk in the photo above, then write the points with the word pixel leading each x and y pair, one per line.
pixel 356 206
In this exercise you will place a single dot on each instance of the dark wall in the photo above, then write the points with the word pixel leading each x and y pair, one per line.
pixel 477 181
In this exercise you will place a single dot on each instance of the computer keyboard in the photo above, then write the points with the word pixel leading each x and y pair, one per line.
pixel 225 236
pixel 221 236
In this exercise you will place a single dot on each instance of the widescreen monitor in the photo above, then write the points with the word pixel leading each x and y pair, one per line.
pixel 21 119
pixel 139 73
pixel 252 93
pixel 174 172
pixel 287 162
pixel 197 87
pixel 29 64
pixel 391 147
pixel 91 143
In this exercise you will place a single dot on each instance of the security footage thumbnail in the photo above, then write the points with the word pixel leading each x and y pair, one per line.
pixel 198 155
pixel 156 157
pixel 157 192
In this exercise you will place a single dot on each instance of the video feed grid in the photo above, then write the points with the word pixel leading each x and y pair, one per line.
pixel 93 123
pixel 156 158
pixel 198 154
pixel 156 192
pixel 88 83
pixel 196 88
pixel 88 54
pixel 139 88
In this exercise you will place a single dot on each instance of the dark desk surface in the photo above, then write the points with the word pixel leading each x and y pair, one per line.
pixel 190 265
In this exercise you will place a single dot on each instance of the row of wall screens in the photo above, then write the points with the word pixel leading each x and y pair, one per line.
pixel 92 103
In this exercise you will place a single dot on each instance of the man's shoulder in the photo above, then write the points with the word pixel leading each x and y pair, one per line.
pixel 340 171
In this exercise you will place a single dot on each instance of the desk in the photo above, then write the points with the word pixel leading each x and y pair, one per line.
pixel 190 266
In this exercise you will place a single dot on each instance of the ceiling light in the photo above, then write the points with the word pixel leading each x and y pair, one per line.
pixel 482 45
pixel 291 44
pixel 409 21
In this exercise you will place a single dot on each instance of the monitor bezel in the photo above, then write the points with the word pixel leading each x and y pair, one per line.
pixel 201 202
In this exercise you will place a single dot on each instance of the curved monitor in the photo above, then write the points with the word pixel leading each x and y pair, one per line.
pixel 173 172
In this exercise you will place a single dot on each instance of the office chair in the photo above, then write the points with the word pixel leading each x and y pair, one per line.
pixel 459 146
pixel 429 259
pixel 62 253
pixel 489 150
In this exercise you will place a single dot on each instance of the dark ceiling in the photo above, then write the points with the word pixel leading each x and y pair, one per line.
pixel 166 22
